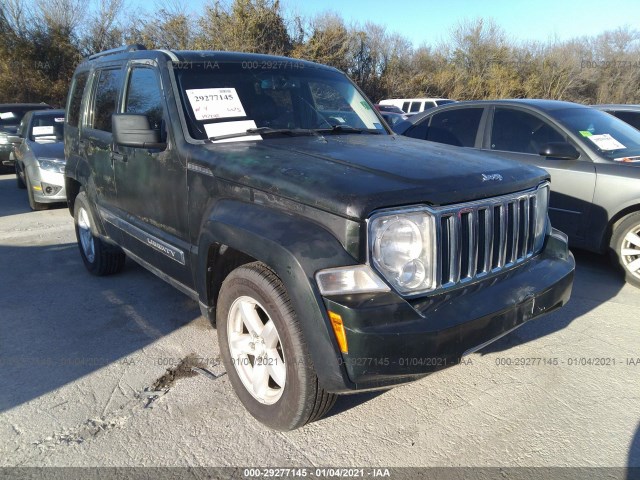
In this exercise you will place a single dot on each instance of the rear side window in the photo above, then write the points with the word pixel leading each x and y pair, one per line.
pixel 106 98
pixel 75 100
pixel 455 127
pixel 144 96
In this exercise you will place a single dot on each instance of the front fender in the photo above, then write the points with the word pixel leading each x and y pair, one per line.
pixel 295 249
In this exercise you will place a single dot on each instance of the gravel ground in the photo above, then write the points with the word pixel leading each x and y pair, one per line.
pixel 80 358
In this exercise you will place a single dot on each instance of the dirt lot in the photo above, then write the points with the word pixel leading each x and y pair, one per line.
pixel 83 365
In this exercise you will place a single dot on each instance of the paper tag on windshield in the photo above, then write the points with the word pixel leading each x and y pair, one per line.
pixel 6 115
pixel 229 128
pixel 213 103
pixel 606 142
pixel 59 119
pixel 47 130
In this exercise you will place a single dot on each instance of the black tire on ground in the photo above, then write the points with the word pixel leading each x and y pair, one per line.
pixel 99 257
pixel 36 206
pixel 625 239
pixel 19 183
pixel 302 399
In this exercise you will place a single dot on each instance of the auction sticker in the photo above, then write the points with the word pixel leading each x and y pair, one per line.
pixel 606 142
pixel 213 103
pixel 45 130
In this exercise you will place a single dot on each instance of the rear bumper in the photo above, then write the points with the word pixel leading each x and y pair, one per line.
pixel 392 341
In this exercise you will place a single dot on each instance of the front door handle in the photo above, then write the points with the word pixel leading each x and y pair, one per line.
pixel 119 157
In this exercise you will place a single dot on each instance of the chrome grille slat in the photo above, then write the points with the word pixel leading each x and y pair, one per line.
pixel 498 233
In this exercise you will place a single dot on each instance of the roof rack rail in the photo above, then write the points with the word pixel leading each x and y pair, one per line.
pixel 113 51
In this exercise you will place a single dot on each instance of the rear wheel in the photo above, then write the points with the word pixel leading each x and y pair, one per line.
pixel 264 353
pixel 32 201
pixel 99 257
pixel 625 243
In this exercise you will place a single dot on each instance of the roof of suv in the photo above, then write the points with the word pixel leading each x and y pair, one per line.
pixel 199 56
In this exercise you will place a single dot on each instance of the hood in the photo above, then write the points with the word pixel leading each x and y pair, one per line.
pixel 47 150
pixel 352 175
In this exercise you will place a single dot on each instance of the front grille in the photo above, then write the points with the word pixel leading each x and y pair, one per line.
pixel 484 237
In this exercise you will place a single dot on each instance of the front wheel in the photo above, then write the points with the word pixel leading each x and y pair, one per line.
pixel 264 353
pixel 625 243
pixel 99 257
pixel 19 182
pixel 35 206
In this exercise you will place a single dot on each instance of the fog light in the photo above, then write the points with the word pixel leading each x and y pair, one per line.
pixel 50 190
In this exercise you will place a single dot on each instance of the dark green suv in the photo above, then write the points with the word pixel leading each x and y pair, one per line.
pixel 332 255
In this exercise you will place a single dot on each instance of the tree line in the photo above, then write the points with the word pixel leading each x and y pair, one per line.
pixel 42 42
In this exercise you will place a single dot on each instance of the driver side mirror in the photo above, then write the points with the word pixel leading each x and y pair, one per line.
pixel 560 151
pixel 133 130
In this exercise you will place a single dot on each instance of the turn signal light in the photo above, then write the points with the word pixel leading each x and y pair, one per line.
pixel 338 330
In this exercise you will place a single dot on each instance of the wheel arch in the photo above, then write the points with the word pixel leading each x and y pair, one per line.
pixel 295 248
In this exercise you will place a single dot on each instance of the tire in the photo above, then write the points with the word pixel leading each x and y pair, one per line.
pixel 625 245
pixel 36 206
pixel 288 395
pixel 19 182
pixel 99 257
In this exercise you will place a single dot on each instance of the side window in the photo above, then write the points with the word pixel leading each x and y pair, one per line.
pixel 405 107
pixel 632 118
pixel 457 127
pixel 75 99
pixel 144 96
pixel 428 105
pixel 518 131
pixel 415 106
pixel 106 97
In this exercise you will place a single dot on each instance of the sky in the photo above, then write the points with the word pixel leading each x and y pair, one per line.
pixel 429 21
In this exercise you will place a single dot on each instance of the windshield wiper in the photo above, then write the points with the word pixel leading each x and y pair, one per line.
pixel 266 131
pixel 348 129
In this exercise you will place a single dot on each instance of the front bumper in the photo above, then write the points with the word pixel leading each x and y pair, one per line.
pixel 392 340
pixel 49 186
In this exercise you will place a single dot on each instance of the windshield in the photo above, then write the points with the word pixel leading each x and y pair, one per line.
pixel 222 99
pixel 47 128
pixel 608 135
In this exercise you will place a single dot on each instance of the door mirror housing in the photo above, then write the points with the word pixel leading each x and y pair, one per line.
pixel 133 130
pixel 560 151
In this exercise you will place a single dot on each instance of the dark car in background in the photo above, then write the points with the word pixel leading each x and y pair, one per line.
pixel 10 117
pixel 593 159
pixel 39 157
pixel 626 113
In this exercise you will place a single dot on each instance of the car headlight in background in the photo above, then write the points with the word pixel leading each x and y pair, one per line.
pixel 402 249
pixel 52 164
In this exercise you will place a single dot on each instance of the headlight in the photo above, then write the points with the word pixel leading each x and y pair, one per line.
pixel 52 164
pixel 542 207
pixel 403 250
